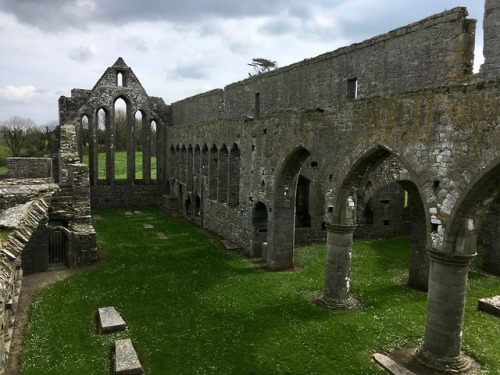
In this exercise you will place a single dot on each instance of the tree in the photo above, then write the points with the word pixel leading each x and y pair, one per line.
pixel 38 139
pixel 14 132
pixel 261 65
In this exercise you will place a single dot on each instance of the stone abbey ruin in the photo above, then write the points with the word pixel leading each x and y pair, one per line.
pixel 393 135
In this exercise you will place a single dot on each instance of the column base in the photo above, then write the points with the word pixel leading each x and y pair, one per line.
pixel 454 365
pixel 350 303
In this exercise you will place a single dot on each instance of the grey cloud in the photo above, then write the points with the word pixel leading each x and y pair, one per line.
pixel 57 15
pixel 82 53
pixel 191 71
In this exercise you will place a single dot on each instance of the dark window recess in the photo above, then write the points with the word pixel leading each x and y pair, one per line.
pixel 352 88
pixel 435 185
pixel 435 227
pixel 385 201
pixel 314 164
pixel 386 223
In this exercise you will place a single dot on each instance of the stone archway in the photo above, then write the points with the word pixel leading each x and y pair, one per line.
pixel 282 229
pixel 343 221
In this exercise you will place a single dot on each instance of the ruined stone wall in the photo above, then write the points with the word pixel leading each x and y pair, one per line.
pixel 20 225
pixel 435 51
pixel 491 52
pixel 429 131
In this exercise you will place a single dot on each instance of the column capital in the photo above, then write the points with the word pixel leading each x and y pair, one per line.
pixel 340 228
pixel 450 258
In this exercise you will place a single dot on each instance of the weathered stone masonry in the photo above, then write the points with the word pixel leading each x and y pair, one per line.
pixel 325 148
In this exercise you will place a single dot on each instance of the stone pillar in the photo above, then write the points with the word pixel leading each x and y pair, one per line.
pixel 338 267
pixel 441 349
pixel 280 239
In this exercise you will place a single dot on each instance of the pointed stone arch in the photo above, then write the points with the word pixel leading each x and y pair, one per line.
pixel 222 183
pixel 343 222
pixel 449 266
pixel 234 176
pixel 282 227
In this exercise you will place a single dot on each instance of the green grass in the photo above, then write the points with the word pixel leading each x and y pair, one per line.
pixel 121 165
pixel 194 308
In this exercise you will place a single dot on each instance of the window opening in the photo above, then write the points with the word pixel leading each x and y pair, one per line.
pixel 352 88
pixel 257 105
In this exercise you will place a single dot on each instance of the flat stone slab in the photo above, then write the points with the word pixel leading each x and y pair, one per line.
pixel 128 213
pixel 110 320
pixel 126 360
pixel 229 245
pixel 490 305
pixel 96 217
pixel 137 212
pixel 161 236
pixel 148 226
pixel 390 366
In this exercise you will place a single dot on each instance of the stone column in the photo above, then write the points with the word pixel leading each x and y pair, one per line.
pixel 338 267
pixel 441 349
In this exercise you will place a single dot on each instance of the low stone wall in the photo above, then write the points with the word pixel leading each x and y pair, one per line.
pixel 103 196
pixel 29 167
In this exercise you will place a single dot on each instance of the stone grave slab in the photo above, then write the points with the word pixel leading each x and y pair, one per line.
pixel 137 212
pixel 161 236
pixel 110 320
pixel 490 305
pixel 126 360
pixel 148 226
pixel 229 245
pixel 96 217
pixel 390 366
pixel 127 213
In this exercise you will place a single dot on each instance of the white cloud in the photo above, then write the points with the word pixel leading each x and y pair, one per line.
pixel 20 93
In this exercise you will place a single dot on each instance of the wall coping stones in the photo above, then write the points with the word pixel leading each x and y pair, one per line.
pixel 490 305
pixel 110 320
pixel 126 360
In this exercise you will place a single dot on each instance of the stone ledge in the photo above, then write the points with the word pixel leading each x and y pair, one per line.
pixel 126 360
pixel 490 305
pixel 110 320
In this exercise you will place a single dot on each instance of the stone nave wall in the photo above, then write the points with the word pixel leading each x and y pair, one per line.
pixel 435 51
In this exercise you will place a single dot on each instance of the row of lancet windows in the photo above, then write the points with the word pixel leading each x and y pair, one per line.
pixel 218 168
pixel 117 145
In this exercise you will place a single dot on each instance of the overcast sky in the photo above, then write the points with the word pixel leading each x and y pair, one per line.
pixel 179 48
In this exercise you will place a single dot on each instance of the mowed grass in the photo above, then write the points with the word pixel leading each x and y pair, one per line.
pixel 193 307
pixel 121 165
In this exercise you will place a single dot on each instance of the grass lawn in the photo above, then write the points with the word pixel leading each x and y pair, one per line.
pixel 121 165
pixel 195 308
